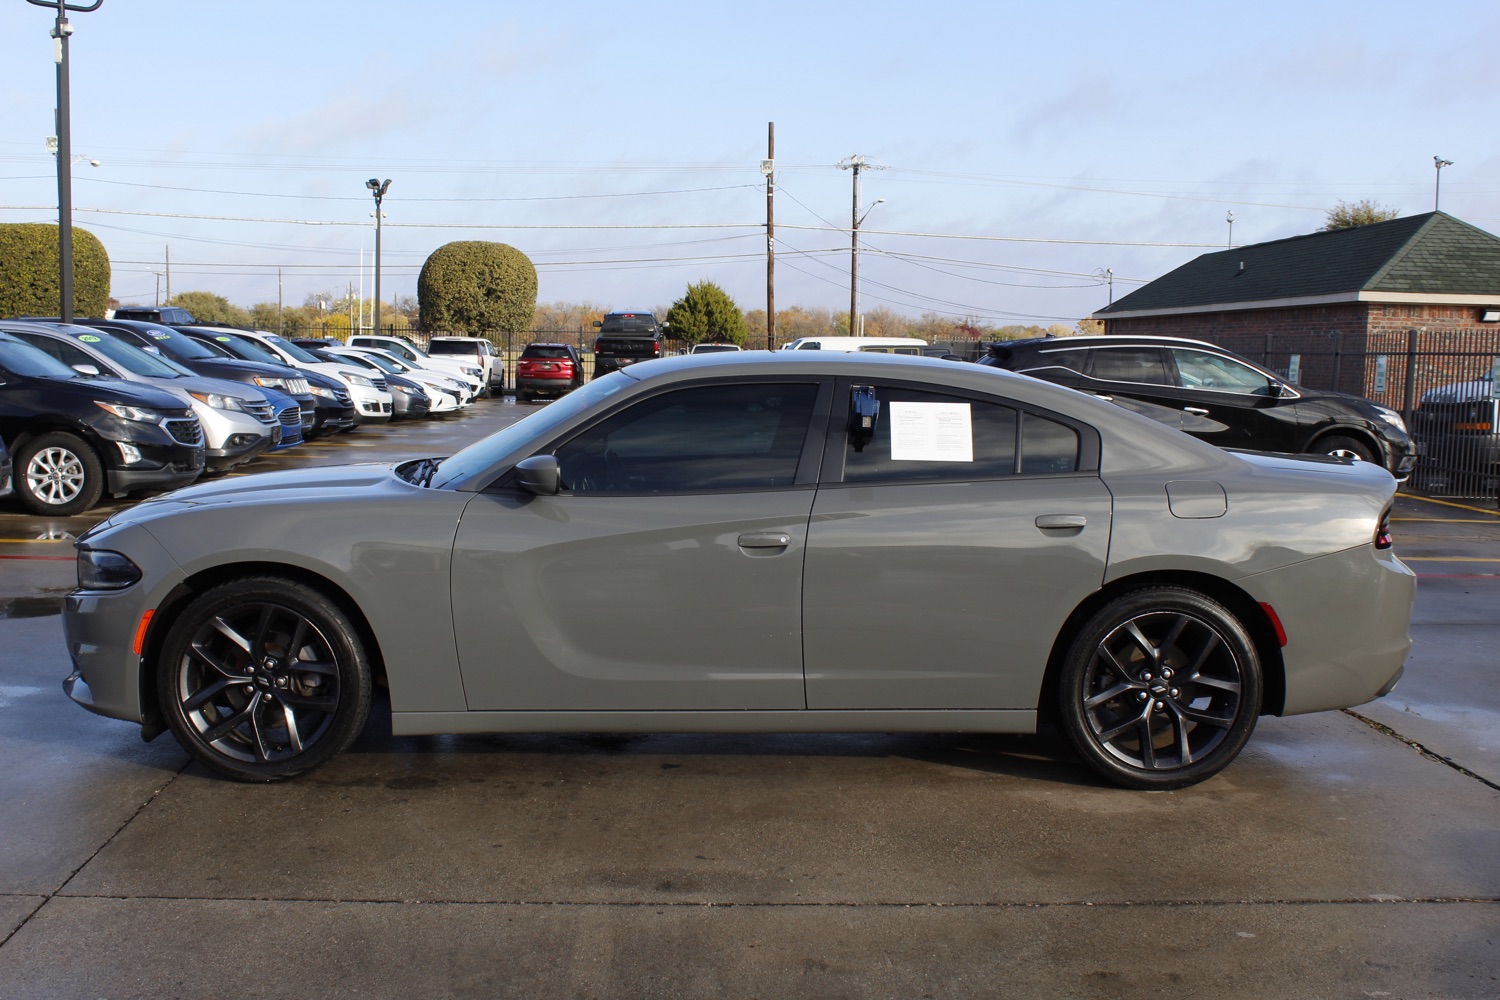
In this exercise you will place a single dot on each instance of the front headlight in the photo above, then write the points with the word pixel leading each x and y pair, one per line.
pixel 124 412
pixel 318 390
pixel 266 382
pixel 101 569
pixel 219 401
pixel 1391 417
pixel 360 380
pixel 473 372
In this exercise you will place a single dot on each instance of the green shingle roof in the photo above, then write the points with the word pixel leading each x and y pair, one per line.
pixel 1433 254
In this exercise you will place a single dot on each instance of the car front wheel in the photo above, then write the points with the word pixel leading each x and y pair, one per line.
pixel 1160 689
pixel 58 475
pixel 1346 447
pixel 264 678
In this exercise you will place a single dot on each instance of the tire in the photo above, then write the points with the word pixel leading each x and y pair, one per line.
pixel 1160 689
pixel 58 474
pixel 263 679
pixel 1345 447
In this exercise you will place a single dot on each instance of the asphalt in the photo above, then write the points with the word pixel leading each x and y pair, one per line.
pixel 1346 854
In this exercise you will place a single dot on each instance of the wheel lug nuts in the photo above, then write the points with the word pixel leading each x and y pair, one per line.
pixel 1174 692
pixel 1146 676
pixel 1142 696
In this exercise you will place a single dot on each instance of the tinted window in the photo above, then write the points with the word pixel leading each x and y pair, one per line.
pixel 705 439
pixel 926 436
pixel 453 347
pixel 1075 360
pixel 23 359
pixel 541 351
pixel 628 323
pixel 1202 370
pixel 1130 364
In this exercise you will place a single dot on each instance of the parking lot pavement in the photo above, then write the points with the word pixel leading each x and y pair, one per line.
pixel 1333 859
pixel 1448 701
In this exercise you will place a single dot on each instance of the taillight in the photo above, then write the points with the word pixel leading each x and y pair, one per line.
pixel 1383 531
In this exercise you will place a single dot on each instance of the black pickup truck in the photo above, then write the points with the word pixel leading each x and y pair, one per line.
pixel 625 338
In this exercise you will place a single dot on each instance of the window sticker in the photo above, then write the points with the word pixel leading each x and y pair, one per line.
pixel 88 338
pixel 931 432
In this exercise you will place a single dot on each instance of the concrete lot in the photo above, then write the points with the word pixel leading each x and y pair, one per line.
pixel 1344 855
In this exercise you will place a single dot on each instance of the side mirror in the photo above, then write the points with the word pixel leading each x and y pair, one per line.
pixel 598 324
pixel 539 474
pixel 86 369
pixel 1275 390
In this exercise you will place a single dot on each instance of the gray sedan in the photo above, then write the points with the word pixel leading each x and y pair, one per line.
pixel 886 543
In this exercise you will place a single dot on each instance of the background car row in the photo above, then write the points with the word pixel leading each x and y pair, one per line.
pixel 113 407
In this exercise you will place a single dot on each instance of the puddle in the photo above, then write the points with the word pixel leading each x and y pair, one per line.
pixel 31 607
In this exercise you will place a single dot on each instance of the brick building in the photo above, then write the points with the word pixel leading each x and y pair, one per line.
pixel 1331 299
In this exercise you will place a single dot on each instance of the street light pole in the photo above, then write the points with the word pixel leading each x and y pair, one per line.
pixel 60 32
pixel 1437 188
pixel 379 189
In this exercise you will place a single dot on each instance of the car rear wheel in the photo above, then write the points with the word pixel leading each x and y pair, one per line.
pixel 58 474
pixel 1346 447
pixel 1160 689
pixel 263 678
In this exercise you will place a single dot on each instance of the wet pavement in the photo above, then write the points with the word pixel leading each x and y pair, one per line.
pixel 1344 854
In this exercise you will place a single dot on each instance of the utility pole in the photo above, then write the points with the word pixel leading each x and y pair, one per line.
pixel 168 300
pixel 856 163
pixel 768 167
pixel 1229 218
pixel 60 32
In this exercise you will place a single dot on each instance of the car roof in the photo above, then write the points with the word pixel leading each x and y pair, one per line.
pixel 1102 340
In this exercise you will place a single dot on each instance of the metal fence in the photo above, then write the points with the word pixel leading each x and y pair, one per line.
pixel 1441 381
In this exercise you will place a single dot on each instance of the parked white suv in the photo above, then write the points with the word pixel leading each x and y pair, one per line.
pixel 477 350
pixel 459 368
pixel 370 394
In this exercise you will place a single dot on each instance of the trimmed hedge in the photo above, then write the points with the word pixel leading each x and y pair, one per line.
pixel 475 287
pixel 29 282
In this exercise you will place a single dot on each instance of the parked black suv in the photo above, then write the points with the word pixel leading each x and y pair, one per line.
pixel 75 438
pixel 625 338
pixel 1227 400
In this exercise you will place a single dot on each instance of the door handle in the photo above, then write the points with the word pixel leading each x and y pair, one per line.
pixel 1196 411
pixel 1061 521
pixel 765 540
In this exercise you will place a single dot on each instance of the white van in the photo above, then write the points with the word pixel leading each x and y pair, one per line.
pixel 879 345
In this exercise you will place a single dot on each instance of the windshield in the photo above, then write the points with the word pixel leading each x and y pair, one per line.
pixel 179 346
pixel 21 358
pixel 354 359
pixel 381 361
pixel 486 452
pixel 300 354
pixel 246 348
pixel 135 360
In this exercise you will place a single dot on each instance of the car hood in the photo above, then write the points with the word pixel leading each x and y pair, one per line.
pixel 336 484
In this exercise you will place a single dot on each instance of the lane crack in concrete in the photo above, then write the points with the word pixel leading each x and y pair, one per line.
pixel 1425 751
pixel 48 897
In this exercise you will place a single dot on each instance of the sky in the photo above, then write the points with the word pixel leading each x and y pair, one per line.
pixel 1027 161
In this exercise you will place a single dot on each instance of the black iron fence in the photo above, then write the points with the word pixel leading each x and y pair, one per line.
pixel 1442 382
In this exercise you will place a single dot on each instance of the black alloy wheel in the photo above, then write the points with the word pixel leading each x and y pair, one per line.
pixel 263 678
pixel 58 475
pixel 1161 689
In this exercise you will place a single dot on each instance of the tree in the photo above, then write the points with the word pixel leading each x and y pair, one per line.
pixel 476 287
pixel 706 313
pixel 1089 328
pixel 207 307
pixel 1347 215
pixel 29 273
